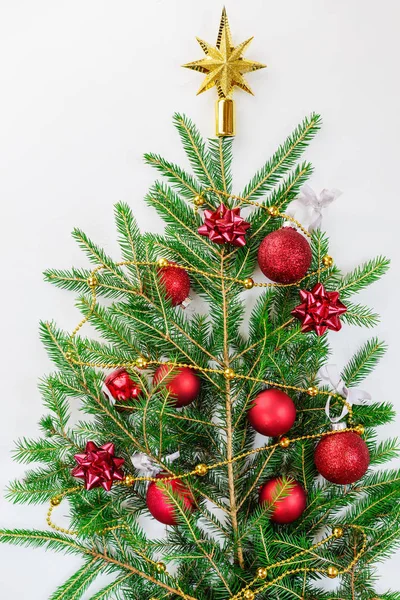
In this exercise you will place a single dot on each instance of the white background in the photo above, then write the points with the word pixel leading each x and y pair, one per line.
pixel 88 86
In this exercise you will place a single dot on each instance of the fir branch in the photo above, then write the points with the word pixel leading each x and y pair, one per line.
pixel 363 362
pixel 284 159
pixel 363 276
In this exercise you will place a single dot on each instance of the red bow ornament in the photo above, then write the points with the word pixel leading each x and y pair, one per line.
pixel 98 466
pixel 320 310
pixel 224 226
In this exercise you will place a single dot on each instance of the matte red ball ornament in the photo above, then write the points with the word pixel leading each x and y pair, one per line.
pixel 284 256
pixel 272 412
pixel 289 508
pixel 120 386
pixel 182 383
pixel 342 458
pixel 176 283
pixel 160 504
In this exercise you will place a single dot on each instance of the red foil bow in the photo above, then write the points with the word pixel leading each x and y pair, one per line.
pixel 320 310
pixel 224 226
pixel 98 466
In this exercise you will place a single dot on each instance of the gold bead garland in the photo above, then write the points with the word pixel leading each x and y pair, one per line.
pixel 332 571
pixel 262 572
pixel 202 469
pixel 273 211
pixel 199 470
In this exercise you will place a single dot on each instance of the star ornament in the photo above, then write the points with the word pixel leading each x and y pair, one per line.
pixel 98 466
pixel 320 310
pixel 224 65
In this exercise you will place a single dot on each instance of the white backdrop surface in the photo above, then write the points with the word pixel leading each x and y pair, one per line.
pixel 88 87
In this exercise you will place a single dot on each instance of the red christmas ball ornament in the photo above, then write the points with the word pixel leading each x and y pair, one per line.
pixel 160 504
pixel 284 256
pixel 176 283
pixel 182 384
pixel 120 386
pixel 289 508
pixel 272 412
pixel 342 457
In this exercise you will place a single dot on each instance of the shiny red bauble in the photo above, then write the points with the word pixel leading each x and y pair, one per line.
pixel 182 384
pixel 272 412
pixel 342 458
pixel 176 283
pixel 284 256
pixel 291 507
pixel 121 387
pixel 160 504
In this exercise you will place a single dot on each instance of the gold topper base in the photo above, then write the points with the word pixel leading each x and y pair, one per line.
pixel 225 117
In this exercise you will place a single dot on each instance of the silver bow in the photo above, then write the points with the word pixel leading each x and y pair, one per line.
pixel 147 466
pixel 307 207
pixel 330 374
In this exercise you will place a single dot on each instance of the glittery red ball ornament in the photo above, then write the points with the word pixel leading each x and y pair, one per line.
pixel 120 386
pixel 160 504
pixel 176 283
pixel 342 458
pixel 284 256
pixel 289 508
pixel 182 384
pixel 272 412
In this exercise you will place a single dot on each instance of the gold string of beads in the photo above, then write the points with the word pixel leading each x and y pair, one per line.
pixel 200 470
pixel 331 571
pixel 228 373
pixel 273 211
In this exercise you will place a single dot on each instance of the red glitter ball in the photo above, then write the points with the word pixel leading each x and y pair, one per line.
pixel 342 458
pixel 176 282
pixel 284 256
pixel 159 503
pixel 289 508
pixel 272 412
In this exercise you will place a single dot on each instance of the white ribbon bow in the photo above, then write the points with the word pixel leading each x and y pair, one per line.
pixel 307 207
pixel 331 375
pixel 147 466
pixel 108 394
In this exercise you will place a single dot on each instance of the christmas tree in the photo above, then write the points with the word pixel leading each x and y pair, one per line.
pixel 176 400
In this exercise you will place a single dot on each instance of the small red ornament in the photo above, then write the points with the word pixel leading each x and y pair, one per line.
pixel 291 507
pixel 160 504
pixel 98 466
pixel 272 412
pixel 176 283
pixel 121 388
pixel 224 226
pixel 284 256
pixel 320 310
pixel 342 458
pixel 181 382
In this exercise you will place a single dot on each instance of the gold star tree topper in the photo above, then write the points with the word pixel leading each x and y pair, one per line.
pixel 224 67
